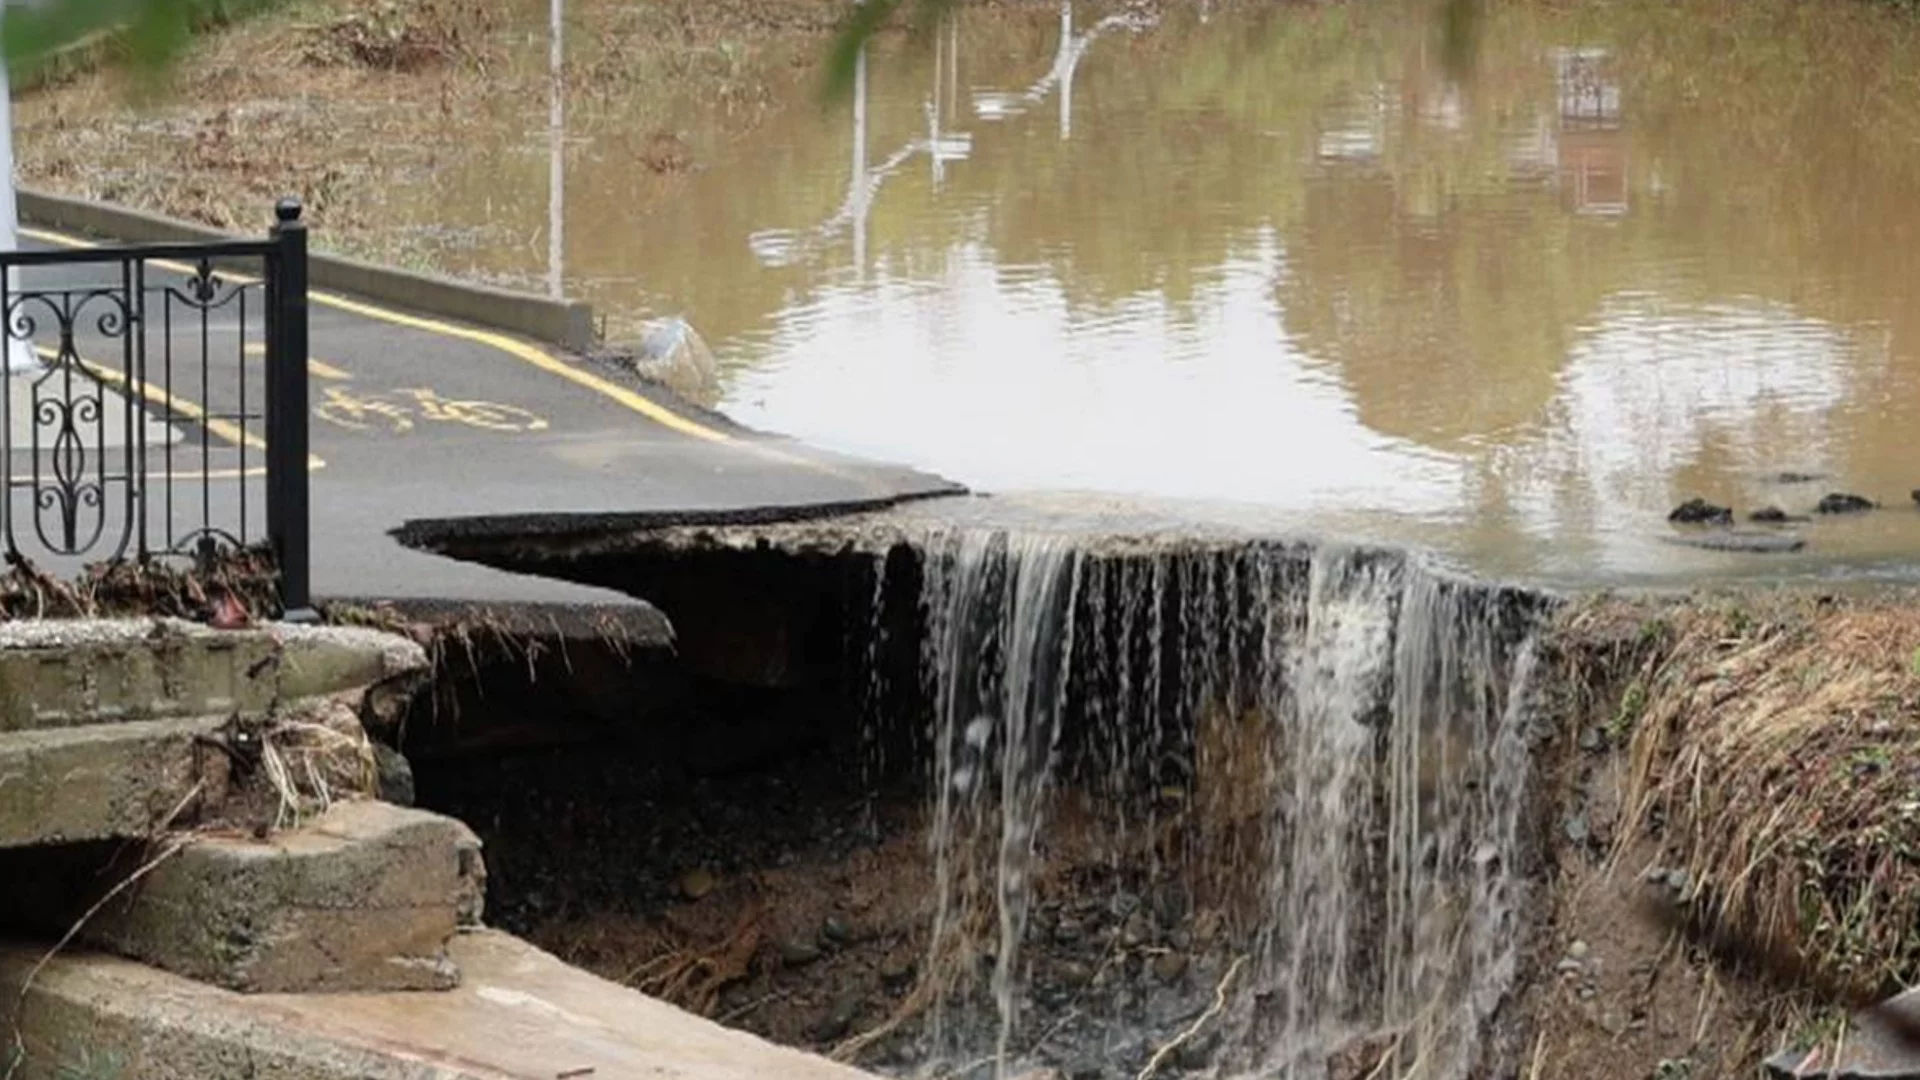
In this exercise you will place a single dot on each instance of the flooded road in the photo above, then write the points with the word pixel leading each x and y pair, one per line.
pixel 1271 256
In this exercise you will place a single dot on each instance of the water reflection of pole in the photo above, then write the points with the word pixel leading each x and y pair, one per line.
pixel 1000 104
pixel 1066 81
pixel 556 150
pixel 861 185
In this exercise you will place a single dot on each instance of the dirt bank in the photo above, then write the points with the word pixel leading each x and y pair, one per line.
pixel 793 896
pixel 1746 762
pixel 355 103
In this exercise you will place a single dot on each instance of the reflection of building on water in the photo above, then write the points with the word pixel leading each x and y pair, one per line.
pixel 1590 141
pixel 1358 134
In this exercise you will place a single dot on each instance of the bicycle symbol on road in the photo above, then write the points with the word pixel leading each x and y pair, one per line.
pixel 398 409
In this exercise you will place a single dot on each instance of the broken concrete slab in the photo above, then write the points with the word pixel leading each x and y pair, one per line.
pixel 65 673
pixel 105 782
pixel 1877 1047
pixel 365 898
pixel 519 1014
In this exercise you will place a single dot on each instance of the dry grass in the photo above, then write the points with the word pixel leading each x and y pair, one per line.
pixel 1775 748
pixel 412 130
pixel 156 587
pixel 315 758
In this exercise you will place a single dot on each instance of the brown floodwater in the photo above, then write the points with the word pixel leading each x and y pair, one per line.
pixel 1270 259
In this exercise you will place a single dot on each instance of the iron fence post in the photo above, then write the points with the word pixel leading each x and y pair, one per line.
pixel 288 527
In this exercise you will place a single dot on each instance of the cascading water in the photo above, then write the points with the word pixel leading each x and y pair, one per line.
pixel 1347 735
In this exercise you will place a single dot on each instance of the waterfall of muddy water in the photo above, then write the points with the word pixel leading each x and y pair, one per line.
pixel 1339 735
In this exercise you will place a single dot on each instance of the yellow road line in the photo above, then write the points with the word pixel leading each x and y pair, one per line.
pixel 197 474
pixel 319 368
pixel 539 358
pixel 226 429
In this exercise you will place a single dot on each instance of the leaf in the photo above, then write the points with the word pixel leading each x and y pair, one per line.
pixel 863 22
pixel 152 33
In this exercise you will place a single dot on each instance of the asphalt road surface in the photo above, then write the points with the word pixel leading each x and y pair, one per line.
pixel 413 417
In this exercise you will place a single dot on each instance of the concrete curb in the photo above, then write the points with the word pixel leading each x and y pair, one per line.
pixel 567 323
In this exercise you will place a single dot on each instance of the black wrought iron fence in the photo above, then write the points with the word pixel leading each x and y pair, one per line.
pixel 155 402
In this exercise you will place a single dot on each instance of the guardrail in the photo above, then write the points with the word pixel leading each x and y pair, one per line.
pixel 155 402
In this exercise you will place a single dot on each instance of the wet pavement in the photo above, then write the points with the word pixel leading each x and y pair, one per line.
pixel 419 418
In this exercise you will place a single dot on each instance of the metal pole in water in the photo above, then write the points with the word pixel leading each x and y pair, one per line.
pixel 20 358
pixel 556 150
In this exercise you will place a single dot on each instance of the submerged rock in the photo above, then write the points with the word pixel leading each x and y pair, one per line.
pixel 1773 515
pixel 1841 502
pixel 1698 511
pixel 1789 476
pixel 1757 542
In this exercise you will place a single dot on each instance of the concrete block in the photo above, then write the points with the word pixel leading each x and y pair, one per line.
pixel 365 898
pixel 1883 1043
pixel 104 782
pixel 66 673
pixel 518 1013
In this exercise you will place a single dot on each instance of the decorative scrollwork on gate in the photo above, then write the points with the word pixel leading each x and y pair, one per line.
pixel 67 473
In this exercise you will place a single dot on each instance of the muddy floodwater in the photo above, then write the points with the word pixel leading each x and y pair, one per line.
pixel 1272 256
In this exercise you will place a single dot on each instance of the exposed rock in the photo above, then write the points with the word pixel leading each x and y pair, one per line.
pixel 394 775
pixel 1578 950
pixel 1135 932
pixel 1569 967
pixel 1169 966
pixel 1698 511
pixel 673 355
pixel 696 883
pixel 1576 828
pixel 897 969
pixel 1840 502
pixel 1773 515
pixel 1074 973
pixel 836 930
pixel 795 953
pixel 840 1016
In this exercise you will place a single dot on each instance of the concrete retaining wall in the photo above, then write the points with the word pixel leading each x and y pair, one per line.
pixel 567 323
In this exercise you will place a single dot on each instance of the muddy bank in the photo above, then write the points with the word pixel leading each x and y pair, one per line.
pixel 360 105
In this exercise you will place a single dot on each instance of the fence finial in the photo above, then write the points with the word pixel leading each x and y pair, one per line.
pixel 287 210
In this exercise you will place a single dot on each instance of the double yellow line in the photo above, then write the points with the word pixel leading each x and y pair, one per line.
pixel 520 350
